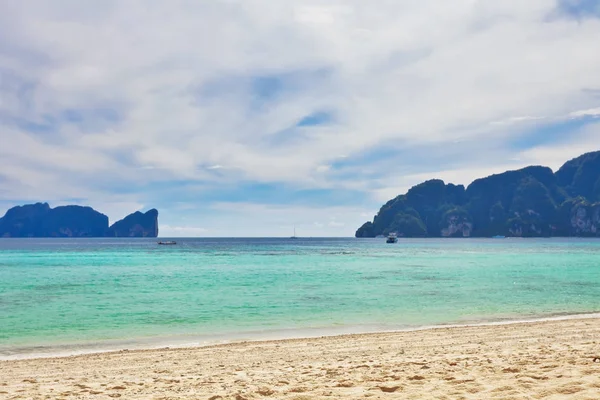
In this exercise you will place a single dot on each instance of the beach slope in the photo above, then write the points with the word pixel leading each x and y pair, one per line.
pixel 541 360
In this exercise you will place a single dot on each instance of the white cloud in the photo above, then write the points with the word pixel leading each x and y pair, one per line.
pixel 336 224
pixel 514 120
pixel 181 231
pixel 555 155
pixel 593 112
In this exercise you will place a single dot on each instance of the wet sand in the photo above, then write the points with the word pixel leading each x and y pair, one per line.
pixel 539 360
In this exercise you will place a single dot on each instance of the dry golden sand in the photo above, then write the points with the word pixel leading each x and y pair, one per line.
pixel 542 360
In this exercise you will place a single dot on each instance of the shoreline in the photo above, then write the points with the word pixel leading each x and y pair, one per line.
pixel 214 340
pixel 544 359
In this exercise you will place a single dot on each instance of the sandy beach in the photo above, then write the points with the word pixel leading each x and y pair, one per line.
pixel 539 360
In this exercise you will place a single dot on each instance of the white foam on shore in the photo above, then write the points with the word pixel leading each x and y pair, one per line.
pixel 192 341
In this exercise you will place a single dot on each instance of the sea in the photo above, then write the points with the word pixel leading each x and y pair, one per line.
pixel 72 296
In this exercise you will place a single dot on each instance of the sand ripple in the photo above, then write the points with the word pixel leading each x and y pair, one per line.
pixel 544 360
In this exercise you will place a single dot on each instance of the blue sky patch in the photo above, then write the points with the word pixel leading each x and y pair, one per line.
pixel 268 87
pixel 384 159
pixel 35 127
pixel 295 135
pixel 563 131
pixel 263 87
pixel 21 88
pixel 372 156
pixel 91 118
pixel 579 9
pixel 86 120
pixel 318 118
pixel 286 137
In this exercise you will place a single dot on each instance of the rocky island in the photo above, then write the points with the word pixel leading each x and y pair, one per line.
pixel 530 202
pixel 39 220
pixel 136 225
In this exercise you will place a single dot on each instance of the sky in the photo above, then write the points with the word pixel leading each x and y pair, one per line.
pixel 250 117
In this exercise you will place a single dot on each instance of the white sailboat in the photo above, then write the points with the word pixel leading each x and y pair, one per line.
pixel 294 237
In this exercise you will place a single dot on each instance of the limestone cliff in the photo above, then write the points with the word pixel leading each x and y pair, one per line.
pixel 584 218
pixel 136 225
pixel 39 220
pixel 530 202
pixel 456 226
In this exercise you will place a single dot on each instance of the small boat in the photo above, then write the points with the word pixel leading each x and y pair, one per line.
pixel 168 242
pixel 294 237
pixel 499 237
pixel 392 238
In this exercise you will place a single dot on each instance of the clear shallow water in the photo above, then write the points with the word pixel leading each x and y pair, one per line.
pixel 111 293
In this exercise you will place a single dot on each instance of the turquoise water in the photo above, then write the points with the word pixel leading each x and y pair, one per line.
pixel 56 293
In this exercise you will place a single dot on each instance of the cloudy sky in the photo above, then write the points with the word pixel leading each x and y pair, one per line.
pixel 247 117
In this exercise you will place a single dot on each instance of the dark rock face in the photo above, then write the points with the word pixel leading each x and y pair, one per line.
pixel 39 220
pixel 74 221
pixel 583 217
pixel 21 221
pixel 532 201
pixel 136 225
pixel 580 176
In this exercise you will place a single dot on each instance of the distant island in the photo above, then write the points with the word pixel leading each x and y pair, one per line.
pixel 39 220
pixel 530 202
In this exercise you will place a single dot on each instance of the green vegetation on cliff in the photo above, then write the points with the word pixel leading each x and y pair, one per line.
pixel 532 201
pixel 136 225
